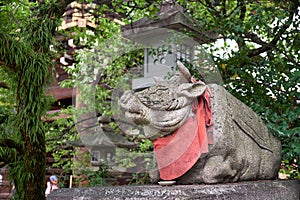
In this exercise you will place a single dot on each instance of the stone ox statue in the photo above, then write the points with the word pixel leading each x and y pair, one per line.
pixel 242 148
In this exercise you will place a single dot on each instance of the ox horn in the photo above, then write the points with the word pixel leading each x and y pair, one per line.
pixel 184 71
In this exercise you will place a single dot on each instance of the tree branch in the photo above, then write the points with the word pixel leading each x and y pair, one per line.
pixel 231 12
pixel 224 10
pixel 210 5
pixel 241 4
pixel 3 85
pixel 254 38
pixel 265 46
pixel 7 156
pixel 289 58
pixel 62 134
pixel 2 164
pixel 9 143
pixel 2 63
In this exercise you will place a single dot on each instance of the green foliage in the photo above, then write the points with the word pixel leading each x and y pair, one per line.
pixel 26 32
pixel 291 171
pixel 85 173
pixel 96 177
pixel 139 179
pixel 141 160
pixel 145 145
pixel 60 138
pixel 98 72
pixel 134 10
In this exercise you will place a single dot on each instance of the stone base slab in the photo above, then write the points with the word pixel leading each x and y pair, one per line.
pixel 251 190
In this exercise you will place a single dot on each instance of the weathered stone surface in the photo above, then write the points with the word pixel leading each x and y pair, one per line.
pixel 164 107
pixel 243 147
pixel 256 190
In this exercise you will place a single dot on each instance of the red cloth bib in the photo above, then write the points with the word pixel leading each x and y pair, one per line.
pixel 178 152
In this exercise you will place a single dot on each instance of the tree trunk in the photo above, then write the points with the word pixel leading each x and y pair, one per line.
pixel 34 188
pixel 31 103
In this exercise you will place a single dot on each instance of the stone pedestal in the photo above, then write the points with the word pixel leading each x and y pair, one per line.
pixel 252 190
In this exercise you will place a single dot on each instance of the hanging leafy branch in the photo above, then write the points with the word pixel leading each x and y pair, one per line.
pixel 25 54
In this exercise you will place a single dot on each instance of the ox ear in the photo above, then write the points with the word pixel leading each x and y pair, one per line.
pixel 192 90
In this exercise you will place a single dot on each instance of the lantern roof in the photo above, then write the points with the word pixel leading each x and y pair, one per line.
pixel 106 138
pixel 109 138
pixel 171 17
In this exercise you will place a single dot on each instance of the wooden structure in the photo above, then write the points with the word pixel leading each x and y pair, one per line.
pixel 76 15
pixel 5 187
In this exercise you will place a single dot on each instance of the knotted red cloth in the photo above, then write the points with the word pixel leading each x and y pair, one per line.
pixel 178 152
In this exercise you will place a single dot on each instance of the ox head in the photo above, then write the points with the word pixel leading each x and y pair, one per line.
pixel 164 107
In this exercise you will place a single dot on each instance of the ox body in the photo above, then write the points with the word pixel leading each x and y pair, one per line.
pixel 243 147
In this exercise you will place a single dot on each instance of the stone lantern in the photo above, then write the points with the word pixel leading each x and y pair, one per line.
pixel 172 36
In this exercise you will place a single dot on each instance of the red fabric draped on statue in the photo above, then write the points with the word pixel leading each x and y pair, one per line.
pixel 178 152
